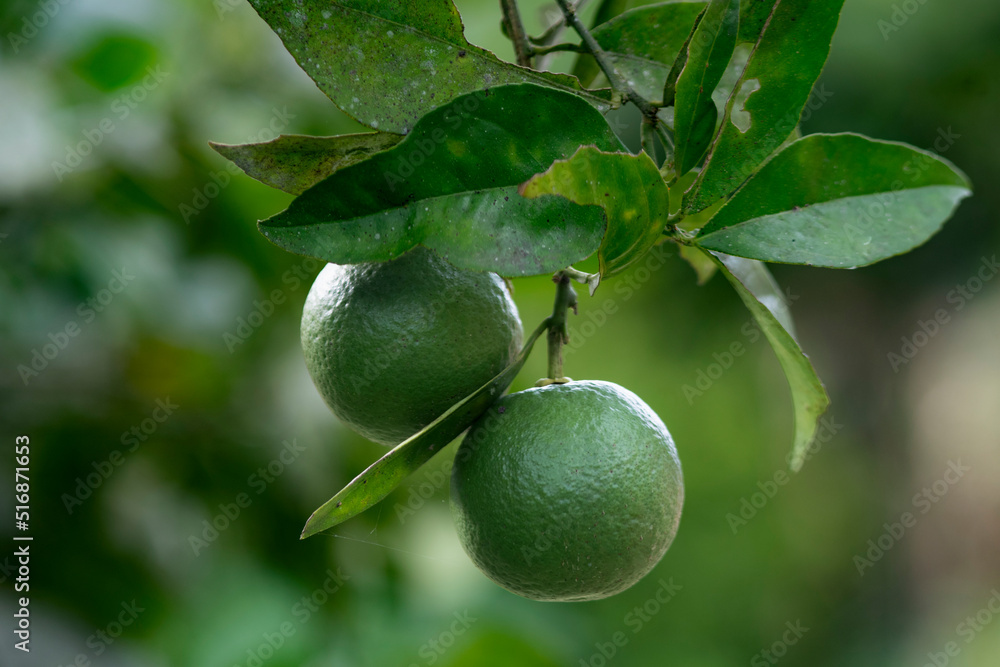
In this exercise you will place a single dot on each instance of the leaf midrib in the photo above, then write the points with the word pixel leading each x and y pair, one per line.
pixel 760 218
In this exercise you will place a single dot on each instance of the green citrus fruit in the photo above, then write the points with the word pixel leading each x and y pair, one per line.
pixel 392 345
pixel 567 492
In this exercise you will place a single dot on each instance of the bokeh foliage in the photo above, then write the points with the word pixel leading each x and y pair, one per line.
pixel 151 199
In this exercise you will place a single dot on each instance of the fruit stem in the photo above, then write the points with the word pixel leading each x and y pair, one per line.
pixel 558 333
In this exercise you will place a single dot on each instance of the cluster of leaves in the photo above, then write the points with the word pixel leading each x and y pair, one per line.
pixel 505 168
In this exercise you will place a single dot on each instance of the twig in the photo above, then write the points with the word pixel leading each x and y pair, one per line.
pixel 515 30
pixel 617 81
pixel 550 37
pixel 542 50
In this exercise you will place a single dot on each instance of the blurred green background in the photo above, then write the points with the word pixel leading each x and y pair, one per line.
pixel 129 258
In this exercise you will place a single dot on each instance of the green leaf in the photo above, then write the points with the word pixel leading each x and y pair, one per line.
pixel 294 163
pixel 699 260
pixel 380 478
pixel 643 43
pixel 695 114
pixel 731 77
pixel 753 16
pixel 586 68
pixel 809 398
pixel 451 185
pixel 628 188
pixel 768 99
pixel 608 9
pixel 756 277
pixel 387 63
pixel 840 201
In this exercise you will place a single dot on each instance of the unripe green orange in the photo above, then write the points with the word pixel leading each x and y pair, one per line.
pixel 393 345
pixel 567 492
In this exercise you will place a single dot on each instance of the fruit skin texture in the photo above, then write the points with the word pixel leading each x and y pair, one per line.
pixel 567 492
pixel 392 345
